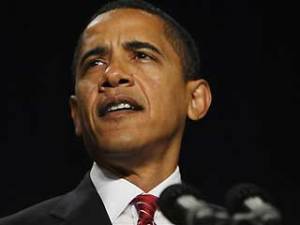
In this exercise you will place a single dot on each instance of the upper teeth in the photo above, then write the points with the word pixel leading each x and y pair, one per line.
pixel 119 106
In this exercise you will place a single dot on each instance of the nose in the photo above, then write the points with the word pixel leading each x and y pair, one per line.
pixel 116 76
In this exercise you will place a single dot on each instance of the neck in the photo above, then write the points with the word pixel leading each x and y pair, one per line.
pixel 145 168
pixel 150 177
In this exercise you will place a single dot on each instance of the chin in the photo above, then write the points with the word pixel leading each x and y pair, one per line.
pixel 121 144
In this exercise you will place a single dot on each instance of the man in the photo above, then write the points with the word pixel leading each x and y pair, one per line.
pixel 136 82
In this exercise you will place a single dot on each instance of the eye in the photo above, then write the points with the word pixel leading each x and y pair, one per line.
pixel 94 63
pixel 142 56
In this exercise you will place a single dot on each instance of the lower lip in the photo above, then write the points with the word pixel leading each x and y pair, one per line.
pixel 119 114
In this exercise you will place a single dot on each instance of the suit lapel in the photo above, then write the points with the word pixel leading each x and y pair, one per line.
pixel 82 206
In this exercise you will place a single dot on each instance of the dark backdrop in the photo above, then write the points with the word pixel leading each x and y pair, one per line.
pixel 251 134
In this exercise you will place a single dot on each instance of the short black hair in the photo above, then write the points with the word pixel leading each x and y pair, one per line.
pixel 180 39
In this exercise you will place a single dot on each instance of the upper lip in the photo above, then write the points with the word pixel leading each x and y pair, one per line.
pixel 109 101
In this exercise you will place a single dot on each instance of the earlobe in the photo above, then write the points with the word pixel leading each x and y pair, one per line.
pixel 74 114
pixel 200 99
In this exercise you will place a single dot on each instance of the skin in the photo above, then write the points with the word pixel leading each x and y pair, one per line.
pixel 141 146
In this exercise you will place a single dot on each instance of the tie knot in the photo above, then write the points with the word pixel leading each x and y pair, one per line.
pixel 145 206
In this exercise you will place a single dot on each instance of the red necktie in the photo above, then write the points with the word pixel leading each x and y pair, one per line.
pixel 145 206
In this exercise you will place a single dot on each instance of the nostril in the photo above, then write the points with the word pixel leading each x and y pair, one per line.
pixel 123 81
pixel 106 84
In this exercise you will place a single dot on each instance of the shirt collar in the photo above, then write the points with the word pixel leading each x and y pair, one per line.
pixel 109 189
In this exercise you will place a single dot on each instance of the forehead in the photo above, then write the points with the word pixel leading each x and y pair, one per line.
pixel 121 24
pixel 115 15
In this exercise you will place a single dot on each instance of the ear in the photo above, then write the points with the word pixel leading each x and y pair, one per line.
pixel 200 99
pixel 73 102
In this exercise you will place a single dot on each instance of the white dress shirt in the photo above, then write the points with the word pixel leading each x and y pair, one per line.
pixel 117 193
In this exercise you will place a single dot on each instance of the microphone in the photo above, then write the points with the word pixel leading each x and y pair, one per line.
pixel 182 204
pixel 250 205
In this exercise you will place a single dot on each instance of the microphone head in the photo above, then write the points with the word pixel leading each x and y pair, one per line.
pixel 168 204
pixel 236 196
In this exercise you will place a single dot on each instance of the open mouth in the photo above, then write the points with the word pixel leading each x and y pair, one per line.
pixel 119 105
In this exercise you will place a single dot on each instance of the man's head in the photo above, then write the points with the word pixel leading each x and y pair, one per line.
pixel 132 91
pixel 180 39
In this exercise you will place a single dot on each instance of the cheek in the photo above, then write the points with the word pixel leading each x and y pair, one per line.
pixel 166 94
pixel 86 87
pixel 86 92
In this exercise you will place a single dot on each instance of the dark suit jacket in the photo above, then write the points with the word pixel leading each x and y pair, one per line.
pixel 81 206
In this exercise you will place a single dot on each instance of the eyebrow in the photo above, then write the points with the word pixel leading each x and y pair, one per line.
pixel 130 45
pixel 99 51
pixel 136 45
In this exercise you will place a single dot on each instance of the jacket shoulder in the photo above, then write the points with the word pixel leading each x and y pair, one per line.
pixel 35 215
pixel 81 206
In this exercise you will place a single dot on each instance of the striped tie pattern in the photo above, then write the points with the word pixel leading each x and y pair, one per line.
pixel 145 206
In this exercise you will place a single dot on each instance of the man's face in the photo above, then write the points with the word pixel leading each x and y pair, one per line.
pixel 130 92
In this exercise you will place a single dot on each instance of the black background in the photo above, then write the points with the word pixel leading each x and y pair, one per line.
pixel 251 134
